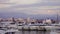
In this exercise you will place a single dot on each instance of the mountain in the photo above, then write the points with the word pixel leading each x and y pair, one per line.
pixel 18 15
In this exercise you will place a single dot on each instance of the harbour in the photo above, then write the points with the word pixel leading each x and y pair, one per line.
pixel 28 26
pixel 29 16
pixel 30 32
pixel 30 29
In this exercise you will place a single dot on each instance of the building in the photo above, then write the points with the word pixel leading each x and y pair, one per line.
pixel 48 21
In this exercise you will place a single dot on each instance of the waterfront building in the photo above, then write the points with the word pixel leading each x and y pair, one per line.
pixel 39 21
pixel 44 21
pixel 28 20
pixel 48 21
pixel 31 21
pixel 9 19
pixel 5 23
pixel 20 21
pixel 0 19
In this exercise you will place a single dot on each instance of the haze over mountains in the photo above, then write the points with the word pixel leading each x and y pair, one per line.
pixel 22 15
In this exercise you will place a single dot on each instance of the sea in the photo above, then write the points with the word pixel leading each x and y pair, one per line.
pixel 40 32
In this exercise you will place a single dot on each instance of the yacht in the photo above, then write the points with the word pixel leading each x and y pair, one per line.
pixel 9 31
pixel 2 32
pixel 12 31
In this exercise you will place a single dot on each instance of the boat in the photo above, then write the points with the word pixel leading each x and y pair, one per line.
pixel 2 32
pixel 11 31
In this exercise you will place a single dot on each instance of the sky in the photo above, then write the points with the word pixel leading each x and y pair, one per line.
pixel 29 7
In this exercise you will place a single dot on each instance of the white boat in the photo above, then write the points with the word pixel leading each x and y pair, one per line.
pixel 11 31
pixel 37 24
pixel 47 26
pixel 2 32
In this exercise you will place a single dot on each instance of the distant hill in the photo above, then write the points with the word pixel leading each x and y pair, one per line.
pixel 22 15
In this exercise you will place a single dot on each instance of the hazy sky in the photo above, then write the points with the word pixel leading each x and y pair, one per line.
pixel 30 7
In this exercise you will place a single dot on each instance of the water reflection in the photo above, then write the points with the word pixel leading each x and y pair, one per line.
pixel 33 32
pixel 38 32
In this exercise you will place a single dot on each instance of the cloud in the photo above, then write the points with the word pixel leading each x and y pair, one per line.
pixel 37 8
pixel 9 3
pixel 30 7
pixel 4 6
pixel 28 3
pixel 33 10
pixel 37 12
pixel 3 1
pixel 23 2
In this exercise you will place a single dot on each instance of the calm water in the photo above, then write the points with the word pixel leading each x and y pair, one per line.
pixel 39 32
